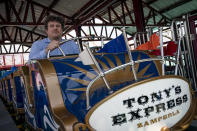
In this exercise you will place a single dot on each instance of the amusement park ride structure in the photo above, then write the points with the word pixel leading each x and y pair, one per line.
pixel 130 90
pixel 151 86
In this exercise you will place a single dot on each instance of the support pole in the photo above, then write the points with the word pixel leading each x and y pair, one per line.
pixel 139 15
pixel 79 41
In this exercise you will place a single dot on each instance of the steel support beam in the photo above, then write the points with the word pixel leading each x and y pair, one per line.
pixel 139 15
pixel 78 34
pixel 28 5
pixel 91 14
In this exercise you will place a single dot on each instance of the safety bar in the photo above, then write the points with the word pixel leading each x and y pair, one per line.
pixel 98 67
pixel 110 71
pixel 77 38
pixel 48 54
pixel 118 68
pixel 129 54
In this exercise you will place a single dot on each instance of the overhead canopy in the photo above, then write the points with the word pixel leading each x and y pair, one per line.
pixel 21 21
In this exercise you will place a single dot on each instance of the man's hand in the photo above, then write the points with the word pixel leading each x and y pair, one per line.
pixel 51 46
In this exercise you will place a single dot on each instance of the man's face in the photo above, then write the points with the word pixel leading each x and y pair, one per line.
pixel 54 30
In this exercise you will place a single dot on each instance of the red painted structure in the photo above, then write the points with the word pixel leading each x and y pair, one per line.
pixel 9 60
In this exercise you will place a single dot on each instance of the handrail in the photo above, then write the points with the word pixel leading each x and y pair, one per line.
pixel 48 54
pixel 118 68
pixel 112 70
pixel 76 38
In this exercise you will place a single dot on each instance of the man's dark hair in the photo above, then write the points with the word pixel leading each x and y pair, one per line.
pixel 51 18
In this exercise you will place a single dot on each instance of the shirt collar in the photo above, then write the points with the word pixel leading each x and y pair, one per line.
pixel 48 40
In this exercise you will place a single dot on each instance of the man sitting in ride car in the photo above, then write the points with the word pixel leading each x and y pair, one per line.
pixel 54 29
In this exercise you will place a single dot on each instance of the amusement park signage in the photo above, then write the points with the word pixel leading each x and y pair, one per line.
pixel 147 106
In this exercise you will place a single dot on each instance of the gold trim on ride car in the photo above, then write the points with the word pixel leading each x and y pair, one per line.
pixel 61 115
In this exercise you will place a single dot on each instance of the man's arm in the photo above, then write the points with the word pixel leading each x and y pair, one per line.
pixel 37 51
pixel 52 45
